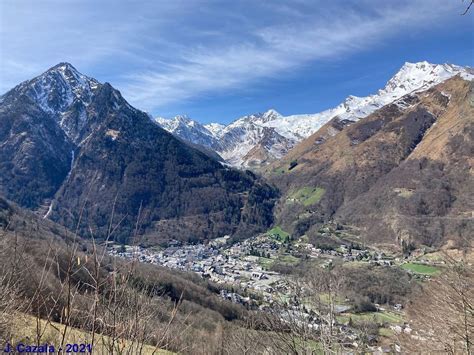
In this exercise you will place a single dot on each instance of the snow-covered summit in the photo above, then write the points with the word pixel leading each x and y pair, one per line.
pixel 412 77
pixel 190 130
pixel 421 76
pixel 246 133
pixel 58 88
pixel 176 122
pixel 214 128
pixel 265 117
pixel 66 95
pixel 258 118
pixel 63 93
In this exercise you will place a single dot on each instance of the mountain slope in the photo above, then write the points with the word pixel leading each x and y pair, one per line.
pixel 428 199
pixel 403 173
pixel 190 130
pixel 91 155
pixel 35 153
pixel 39 257
pixel 256 140
pixel 247 133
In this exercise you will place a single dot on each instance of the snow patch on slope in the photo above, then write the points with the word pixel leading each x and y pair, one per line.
pixel 411 78
pixel 57 89
pixel 190 130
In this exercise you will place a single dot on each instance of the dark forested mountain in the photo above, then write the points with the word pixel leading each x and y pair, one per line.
pixel 401 175
pixel 74 150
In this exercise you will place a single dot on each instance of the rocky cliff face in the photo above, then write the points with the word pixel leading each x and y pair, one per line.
pixel 35 153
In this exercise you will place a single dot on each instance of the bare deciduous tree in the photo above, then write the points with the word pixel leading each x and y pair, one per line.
pixel 443 315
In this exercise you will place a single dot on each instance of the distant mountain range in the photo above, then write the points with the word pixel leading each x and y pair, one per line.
pixel 396 165
pixel 258 139
pixel 76 152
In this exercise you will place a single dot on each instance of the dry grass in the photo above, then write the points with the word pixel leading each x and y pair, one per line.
pixel 25 327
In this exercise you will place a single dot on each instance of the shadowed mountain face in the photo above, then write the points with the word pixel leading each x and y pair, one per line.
pixel 35 152
pixel 78 152
pixel 401 175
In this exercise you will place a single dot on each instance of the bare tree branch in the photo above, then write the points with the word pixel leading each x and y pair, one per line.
pixel 468 7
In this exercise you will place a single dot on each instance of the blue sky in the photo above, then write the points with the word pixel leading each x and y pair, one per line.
pixel 218 60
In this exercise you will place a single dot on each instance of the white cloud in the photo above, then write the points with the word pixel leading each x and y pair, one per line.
pixel 95 36
pixel 163 52
pixel 271 50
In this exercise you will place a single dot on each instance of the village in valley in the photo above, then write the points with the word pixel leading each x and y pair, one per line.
pixel 256 273
pixel 247 265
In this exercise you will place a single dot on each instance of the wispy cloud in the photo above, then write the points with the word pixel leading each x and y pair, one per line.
pixel 102 37
pixel 162 52
pixel 275 49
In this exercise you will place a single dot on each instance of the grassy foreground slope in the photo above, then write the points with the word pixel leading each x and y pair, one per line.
pixel 25 329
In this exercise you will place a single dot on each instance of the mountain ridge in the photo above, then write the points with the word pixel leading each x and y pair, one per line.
pixel 244 135
pixel 401 175
pixel 71 142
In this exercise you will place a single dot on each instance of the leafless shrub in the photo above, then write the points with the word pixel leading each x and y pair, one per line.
pixel 443 313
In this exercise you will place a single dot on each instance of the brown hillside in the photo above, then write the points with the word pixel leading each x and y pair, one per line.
pixel 404 172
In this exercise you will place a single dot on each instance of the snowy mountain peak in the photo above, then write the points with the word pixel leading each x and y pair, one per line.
pixel 183 118
pixel 351 100
pixel 270 115
pixel 179 121
pixel 190 130
pixel 58 88
pixel 66 69
pixel 276 134
pixel 420 76
pixel 214 128
pixel 263 117
pixel 66 95
pixel 67 74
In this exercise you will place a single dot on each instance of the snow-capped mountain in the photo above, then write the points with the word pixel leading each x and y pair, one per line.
pixel 63 93
pixel 58 88
pixel 72 149
pixel 191 130
pixel 412 77
pixel 275 134
pixel 234 141
pixel 45 123
pixel 214 128
pixel 248 133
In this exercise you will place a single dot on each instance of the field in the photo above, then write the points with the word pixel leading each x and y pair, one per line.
pixel 24 330
pixel 288 259
pixel 307 195
pixel 278 233
pixel 421 269
pixel 279 171
pixel 265 263
pixel 378 317
pixel 324 297
pixel 386 332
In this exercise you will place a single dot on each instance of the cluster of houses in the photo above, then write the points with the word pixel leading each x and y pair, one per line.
pixel 233 265
pixel 239 265
pixel 347 254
